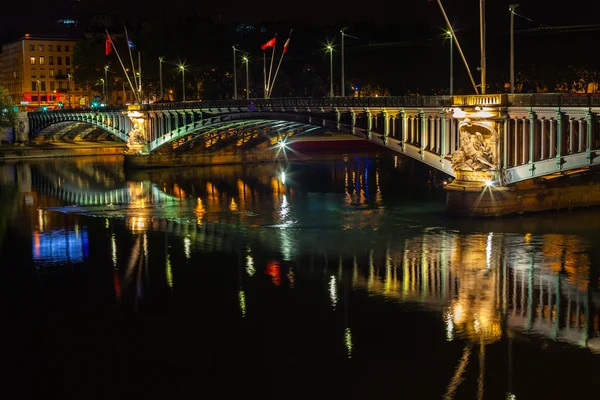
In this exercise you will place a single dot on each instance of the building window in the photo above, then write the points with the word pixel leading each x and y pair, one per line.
pixel 59 60
pixel 33 86
pixel 41 47
pixel 43 85
pixel 33 73
pixel 32 60
pixel 42 73
pixel 51 72
pixel 60 84
pixel 58 47
pixel 42 60
pixel 50 47
pixel 31 47
pixel 67 48
pixel 67 60
pixel 51 85
pixel 51 60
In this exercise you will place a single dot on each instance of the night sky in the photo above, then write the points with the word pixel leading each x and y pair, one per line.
pixel 543 48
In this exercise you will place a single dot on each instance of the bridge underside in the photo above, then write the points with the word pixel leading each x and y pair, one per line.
pixel 239 134
pixel 72 131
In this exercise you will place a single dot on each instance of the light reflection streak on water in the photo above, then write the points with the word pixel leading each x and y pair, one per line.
pixel 168 271
pixel 113 245
pixel 348 341
pixel 333 296
pixel 242 299
pixel 250 270
pixel 187 247
pixel 488 250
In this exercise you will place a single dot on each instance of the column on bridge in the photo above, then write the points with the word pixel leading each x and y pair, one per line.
pixel 353 121
pixel 532 138
pixel 580 135
pixel 559 138
pixel 589 118
pixel 424 132
pixel 369 120
pixel 403 137
pixel 571 136
pixel 386 126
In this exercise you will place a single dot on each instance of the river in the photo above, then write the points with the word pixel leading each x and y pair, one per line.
pixel 340 278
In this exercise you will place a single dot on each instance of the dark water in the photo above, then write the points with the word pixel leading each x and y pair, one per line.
pixel 331 279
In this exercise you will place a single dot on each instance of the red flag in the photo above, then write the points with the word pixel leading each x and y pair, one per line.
pixel 286 44
pixel 108 45
pixel 270 43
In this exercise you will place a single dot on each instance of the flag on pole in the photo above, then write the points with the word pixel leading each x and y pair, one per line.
pixel 286 44
pixel 270 43
pixel 130 43
pixel 108 45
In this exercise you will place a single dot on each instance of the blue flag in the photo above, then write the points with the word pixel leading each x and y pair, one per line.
pixel 130 43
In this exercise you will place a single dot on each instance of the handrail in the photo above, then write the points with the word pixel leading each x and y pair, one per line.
pixel 503 100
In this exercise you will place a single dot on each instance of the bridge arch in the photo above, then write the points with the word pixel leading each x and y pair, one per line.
pixel 239 125
pixel 43 123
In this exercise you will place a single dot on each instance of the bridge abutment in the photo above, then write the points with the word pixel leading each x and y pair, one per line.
pixel 476 199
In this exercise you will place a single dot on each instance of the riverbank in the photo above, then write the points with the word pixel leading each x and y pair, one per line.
pixel 9 152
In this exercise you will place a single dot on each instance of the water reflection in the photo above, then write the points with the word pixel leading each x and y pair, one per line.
pixel 342 241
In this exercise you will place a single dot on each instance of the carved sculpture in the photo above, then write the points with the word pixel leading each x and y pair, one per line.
pixel 474 153
pixel 138 133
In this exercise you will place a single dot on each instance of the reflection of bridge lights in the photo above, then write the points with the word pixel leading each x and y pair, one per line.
pixel 250 265
pixel 333 291
pixel 449 326
pixel 348 341
pixel 113 242
pixel 137 224
pixel 283 177
pixel 187 247
pixel 242 297
pixel 488 250
pixel 233 205
pixel 168 271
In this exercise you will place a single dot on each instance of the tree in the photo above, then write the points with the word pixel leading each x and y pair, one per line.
pixel 8 115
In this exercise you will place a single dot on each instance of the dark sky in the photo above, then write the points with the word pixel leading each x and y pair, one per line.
pixel 465 12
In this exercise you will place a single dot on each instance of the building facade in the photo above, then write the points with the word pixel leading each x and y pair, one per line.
pixel 37 72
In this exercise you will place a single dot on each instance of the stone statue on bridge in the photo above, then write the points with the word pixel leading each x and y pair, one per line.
pixel 474 153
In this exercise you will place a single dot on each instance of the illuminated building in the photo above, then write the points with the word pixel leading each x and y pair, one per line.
pixel 38 65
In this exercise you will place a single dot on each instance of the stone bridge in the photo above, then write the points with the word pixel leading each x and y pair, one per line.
pixel 480 140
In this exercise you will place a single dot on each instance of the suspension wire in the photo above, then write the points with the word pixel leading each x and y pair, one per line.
pixel 530 20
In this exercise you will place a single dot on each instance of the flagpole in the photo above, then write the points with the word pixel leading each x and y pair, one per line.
pixel 270 69
pixel 276 71
pixel 130 57
pixel 265 73
pixel 281 59
pixel 120 61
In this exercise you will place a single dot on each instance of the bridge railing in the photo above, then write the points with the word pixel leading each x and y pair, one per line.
pixel 81 110
pixel 317 102
pixel 553 100
pixel 505 100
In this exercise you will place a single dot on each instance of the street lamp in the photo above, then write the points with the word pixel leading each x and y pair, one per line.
pixel 234 75
pixel 482 33
pixel 103 88
pixel 449 34
pixel 160 62
pixel 245 58
pixel 182 69
pixel 106 84
pixel 344 34
pixel 330 50
pixel 512 9
pixel 69 89
pixel 38 91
